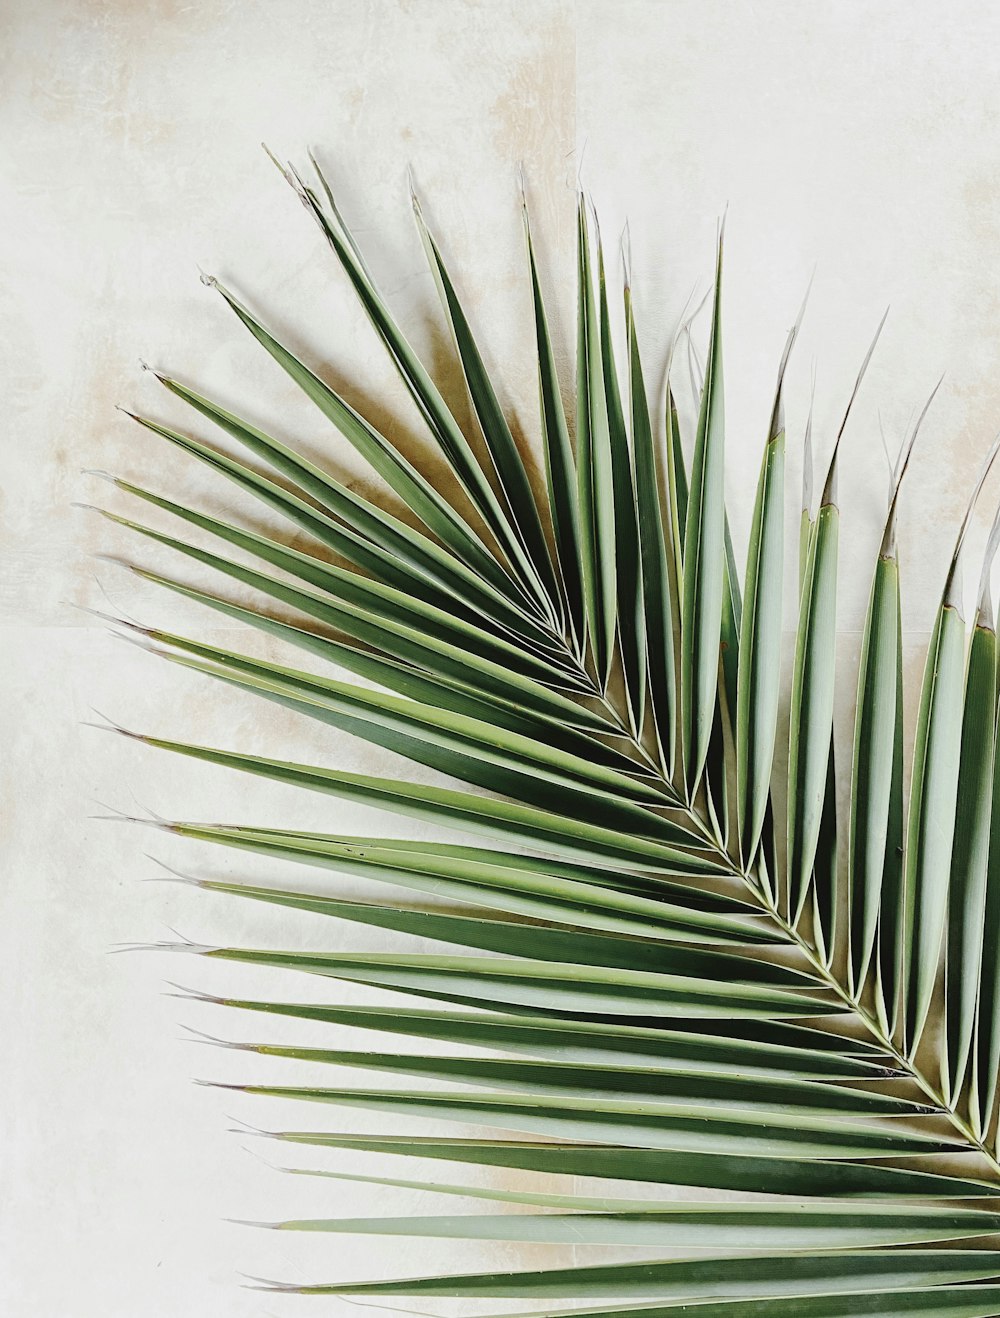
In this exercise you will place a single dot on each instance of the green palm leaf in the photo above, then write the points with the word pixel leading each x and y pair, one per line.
pixel 625 979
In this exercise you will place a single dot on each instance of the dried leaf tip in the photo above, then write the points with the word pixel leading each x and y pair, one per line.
pixel 411 187
pixel 579 165
pixel 302 189
pixel 626 248
pixel 985 616
pixel 807 451
pixel 185 994
pixel 888 547
pixel 109 725
pixel 199 1036
pixel 830 486
pixel 952 594
pixel 890 464
pixel 778 410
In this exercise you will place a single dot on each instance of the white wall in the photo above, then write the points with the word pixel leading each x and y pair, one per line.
pixel 859 136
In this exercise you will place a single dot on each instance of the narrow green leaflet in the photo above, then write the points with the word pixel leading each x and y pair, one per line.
pixel 806 520
pixel 760 633
pixel 933 794
pixel 631 627
pixel 658 608
pixel 514 938
pixel 712 1092
pixel 648 1125
pixel 524 824
pixel 542 889
pixel 595 474
pixel 811 721
pixel 804 1224
pixel 715 1171
pixel 953 1301
pixel 813 681
pixel 875 839
pixel 720 765
pixel 606 1043
pixel 986 1069
pixel 580 990
pixel 677 486
pixel 770 1275
pixel 704 556
pixel 931 824
pixel 713 1227
pixel 560 467
pixel 970 854
pixel 704 1225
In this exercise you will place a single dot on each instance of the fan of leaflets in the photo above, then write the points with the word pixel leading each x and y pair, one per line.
pixel 652 976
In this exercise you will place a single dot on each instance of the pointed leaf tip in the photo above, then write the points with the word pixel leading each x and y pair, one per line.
pixel 830 486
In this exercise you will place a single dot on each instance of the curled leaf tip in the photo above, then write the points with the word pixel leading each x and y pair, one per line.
pixel 778 411
pixel 241 1127
pixel 269 1287
pixel 952 590
pixel 199 1036
pixel 192 995
pixel 592 205
pixel 901 466
pixel 985 616
pixel 579 166
pixel 221 1084
pixel 829 489
pixel 109 725
pixel 171 876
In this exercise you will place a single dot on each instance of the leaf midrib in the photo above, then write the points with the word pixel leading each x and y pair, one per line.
pixel 795 938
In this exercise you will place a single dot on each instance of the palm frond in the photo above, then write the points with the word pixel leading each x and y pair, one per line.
pixel 649 975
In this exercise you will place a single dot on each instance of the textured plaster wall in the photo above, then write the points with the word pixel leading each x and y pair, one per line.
pixel 864 137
